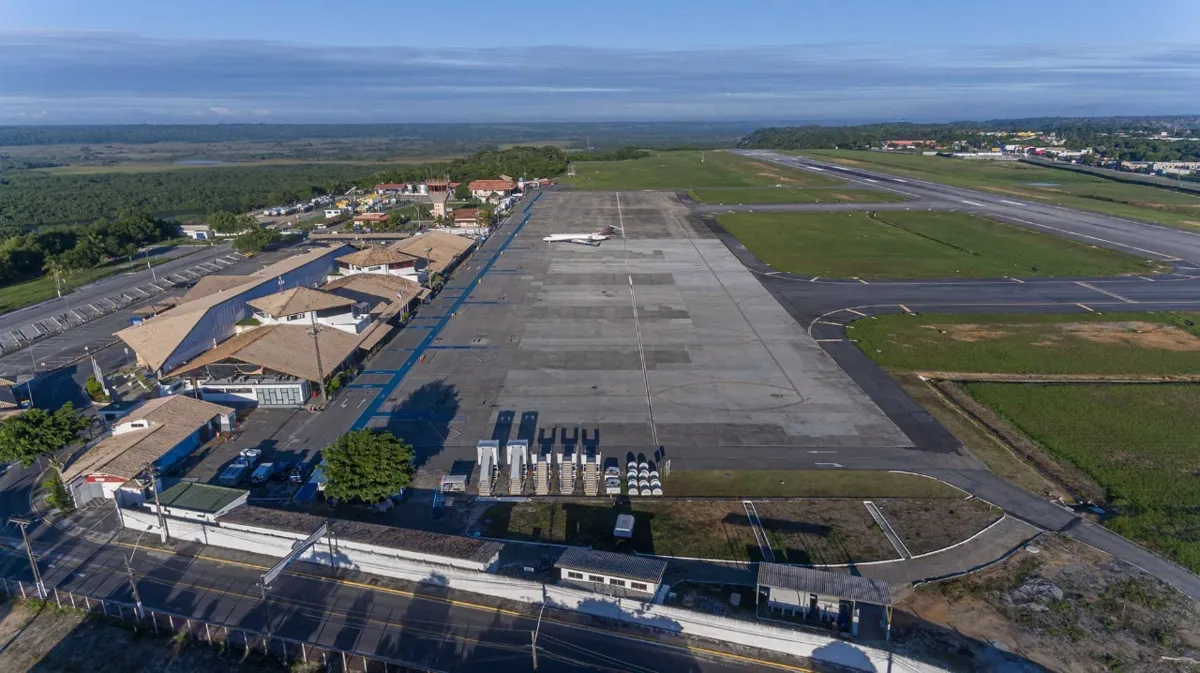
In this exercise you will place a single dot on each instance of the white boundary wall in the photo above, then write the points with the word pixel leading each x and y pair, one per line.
pixel 672 620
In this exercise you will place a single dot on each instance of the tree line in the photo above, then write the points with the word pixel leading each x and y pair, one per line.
pixel 62 251
pixel 34 199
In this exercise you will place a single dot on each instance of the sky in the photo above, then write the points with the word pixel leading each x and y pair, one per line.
pixel 134 61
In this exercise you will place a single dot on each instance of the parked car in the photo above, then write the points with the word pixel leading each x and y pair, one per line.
pixel 262 473
pixel 295 475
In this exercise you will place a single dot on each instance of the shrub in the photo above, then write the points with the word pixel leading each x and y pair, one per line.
pixel 58 496
pixel 95 390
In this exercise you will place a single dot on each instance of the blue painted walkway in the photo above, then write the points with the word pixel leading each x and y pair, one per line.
pixel 372 409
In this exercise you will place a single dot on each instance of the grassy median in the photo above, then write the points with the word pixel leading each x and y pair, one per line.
pixel 686 170
pixel 1149 343
pixel 917 244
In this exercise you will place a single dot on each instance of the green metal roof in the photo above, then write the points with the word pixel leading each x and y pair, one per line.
pixel 199 497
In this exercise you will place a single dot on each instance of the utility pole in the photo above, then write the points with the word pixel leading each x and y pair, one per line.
pixel 137 597
pixel 29 383
pixel 533 635
pixel 162 520
pixel 317 347
pixel 37 575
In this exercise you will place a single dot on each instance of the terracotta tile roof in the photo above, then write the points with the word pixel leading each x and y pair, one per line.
pixel 298 300
pixel 394 290
pixel 210 285
pixel 375 256
pixel 492 185
pixel 286 349
pixel 155 340
pixel 371 217
pixel 171 420
pixel 466 214
pixel 444 248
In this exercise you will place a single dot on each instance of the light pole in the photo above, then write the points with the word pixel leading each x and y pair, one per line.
pixel 314 331
pixel 37 575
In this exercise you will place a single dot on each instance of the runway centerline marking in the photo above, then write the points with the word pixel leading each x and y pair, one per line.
pixel 1114 295
pixel 972 203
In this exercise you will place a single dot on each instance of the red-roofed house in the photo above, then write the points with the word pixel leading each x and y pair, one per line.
pixel 491 190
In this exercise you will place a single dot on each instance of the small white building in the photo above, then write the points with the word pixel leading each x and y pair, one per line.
pixel 159 432
pixel 492 190
pixel 305 306
pixel 199 231
pixel 331 213
pixel 854 604
pixel 610 573
pixel 198 502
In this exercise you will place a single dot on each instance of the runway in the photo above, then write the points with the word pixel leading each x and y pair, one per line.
pixel 825 306
pixel 1155 241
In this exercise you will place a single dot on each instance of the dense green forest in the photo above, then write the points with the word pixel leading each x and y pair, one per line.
pixel 600 133
pixel 31 199
pixel 62 251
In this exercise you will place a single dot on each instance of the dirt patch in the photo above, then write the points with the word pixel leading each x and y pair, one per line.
pixel 779 178
pixel 843 197
pixel 1165 206
pixel 1067 608
pixel 971 333
pixel 848 162
pixel 1139 334
pixel 1135 333
pixel 929 525
pixel 823 532
pixel 1194 223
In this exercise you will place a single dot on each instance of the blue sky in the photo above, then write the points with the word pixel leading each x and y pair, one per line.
pixel 131 61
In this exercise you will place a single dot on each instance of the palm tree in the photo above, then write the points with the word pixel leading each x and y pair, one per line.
pixel 55 267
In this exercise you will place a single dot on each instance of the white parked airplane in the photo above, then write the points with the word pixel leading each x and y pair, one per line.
pixel 582 239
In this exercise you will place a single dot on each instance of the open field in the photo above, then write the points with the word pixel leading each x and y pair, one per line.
pixel 1067 188
pixel 805 484
pixel 789 195
pixel 917 244
pixel 18 295
pixel 685 170
pixel 1083 343
pixel 1137 441
pixel 809 531
pixel 1068 608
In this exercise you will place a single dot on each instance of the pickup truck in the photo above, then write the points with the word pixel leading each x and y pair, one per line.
pixel 262 473
pixel 233 474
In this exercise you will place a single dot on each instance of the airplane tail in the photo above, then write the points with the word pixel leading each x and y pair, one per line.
pixel 607 230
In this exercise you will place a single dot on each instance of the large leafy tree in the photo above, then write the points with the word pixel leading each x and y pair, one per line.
pixel 224 222
pixel 367 465
pixel 37 432
pixel 256 240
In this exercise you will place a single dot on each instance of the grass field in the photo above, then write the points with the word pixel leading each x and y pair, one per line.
pixel 917 244
pixel 790 195
pixel 1072 343
pixel 1075 190
pixel 822 531
pixel 18 295
pixel 1137 441
pixel 804 484
pixel 685 170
